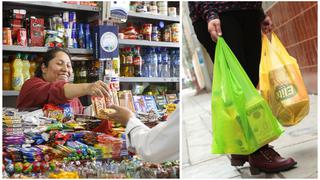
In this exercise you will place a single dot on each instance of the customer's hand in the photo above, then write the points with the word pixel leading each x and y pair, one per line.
pixel 214 29
pixel 121 114
pixel 266 25
pixel 99 88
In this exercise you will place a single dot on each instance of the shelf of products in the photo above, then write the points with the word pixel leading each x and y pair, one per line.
pixel 56 5
pixel 10 93
pixel 132 42
pixel 147 79
pixel 43 49
pixel 154 17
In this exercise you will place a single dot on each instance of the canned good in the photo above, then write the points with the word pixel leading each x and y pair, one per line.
pixel 7 38
pixel 153 9
pixel 175 27
pixel 172 11
pixel 163 11
pixel 147 30
pixel 175 37
pixel 167 34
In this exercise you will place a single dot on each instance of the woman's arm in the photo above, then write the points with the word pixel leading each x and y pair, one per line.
pixel 98 88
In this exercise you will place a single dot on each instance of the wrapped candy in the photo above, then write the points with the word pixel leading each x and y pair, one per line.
pixel 27 167
pixel 18 167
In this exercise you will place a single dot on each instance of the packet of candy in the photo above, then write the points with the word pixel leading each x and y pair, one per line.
pixel 67 112
pixel 53 111
pixel 98 104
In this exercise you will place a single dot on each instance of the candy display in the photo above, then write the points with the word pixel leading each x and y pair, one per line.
pixel 46 147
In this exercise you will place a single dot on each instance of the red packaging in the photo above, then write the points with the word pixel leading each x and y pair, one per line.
pixel 17 23
pixel 37 32
pixel 52 111
pixel 22 37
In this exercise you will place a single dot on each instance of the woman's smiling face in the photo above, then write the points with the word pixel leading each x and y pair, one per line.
pixel 59 68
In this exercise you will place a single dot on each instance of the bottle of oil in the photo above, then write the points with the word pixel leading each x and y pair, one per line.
pixel 122 62
pixel 129 64
pixel 6 76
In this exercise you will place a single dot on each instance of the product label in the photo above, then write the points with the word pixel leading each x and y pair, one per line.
pixel 285 91
pixel 109 42
pixel 137 60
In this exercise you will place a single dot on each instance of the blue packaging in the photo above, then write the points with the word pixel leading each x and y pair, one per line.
pixel 106 44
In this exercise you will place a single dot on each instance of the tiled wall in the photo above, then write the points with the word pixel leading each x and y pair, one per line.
pixel 295 23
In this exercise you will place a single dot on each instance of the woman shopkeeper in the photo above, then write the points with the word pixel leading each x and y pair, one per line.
pixel 51 84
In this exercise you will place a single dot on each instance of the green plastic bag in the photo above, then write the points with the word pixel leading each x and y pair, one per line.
pixel 241 119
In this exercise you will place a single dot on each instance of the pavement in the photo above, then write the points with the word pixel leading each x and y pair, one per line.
pixel 299 142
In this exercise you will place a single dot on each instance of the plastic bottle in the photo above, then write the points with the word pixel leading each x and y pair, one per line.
pixel 122 62
pixel 158 51
pixel 74 36
pixel 33 66
pixel 25 68
pixel 6 76
pixel 17 76
pixel 81 37
pixel 138 62
pixel 153 64
pixel 176 64
pixel 146 65
pixel 88 37
pixel 83 72
pixel 129 63
pixel 165 69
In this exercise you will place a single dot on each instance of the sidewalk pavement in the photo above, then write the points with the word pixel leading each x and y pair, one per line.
pixel 298 142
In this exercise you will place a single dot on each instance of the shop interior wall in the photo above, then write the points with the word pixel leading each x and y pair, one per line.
pixel 295 23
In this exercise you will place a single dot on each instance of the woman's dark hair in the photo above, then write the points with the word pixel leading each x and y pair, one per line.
pixel 48 56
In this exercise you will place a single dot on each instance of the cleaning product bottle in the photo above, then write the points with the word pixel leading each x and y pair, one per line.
pixel 17 76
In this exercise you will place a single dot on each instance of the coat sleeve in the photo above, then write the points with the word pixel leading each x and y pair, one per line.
pixel 158 144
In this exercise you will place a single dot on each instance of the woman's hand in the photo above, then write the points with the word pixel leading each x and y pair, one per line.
pixel 120 115
pixel 214 29
pixel 266 25
pixel 100 89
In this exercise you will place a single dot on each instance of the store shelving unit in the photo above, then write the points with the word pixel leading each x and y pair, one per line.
pixel 10 93
pixel 46 8
pixel 130 42
pixel 57 5
pixel 154 17
pixel 43 49
pixel 146 79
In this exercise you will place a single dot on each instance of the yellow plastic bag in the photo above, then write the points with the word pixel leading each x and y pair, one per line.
pixel 281 83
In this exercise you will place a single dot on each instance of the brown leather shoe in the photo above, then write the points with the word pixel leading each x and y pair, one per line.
pixel 266 159
pixel 238 160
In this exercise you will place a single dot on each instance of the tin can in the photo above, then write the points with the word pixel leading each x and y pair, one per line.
pixel 7 38
pixel 167 34
pixel 175 27
pixel 147 28
pixel 154 9
pixel 155 32
pixel 175 37
pixel 163 8
pixel 172 11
